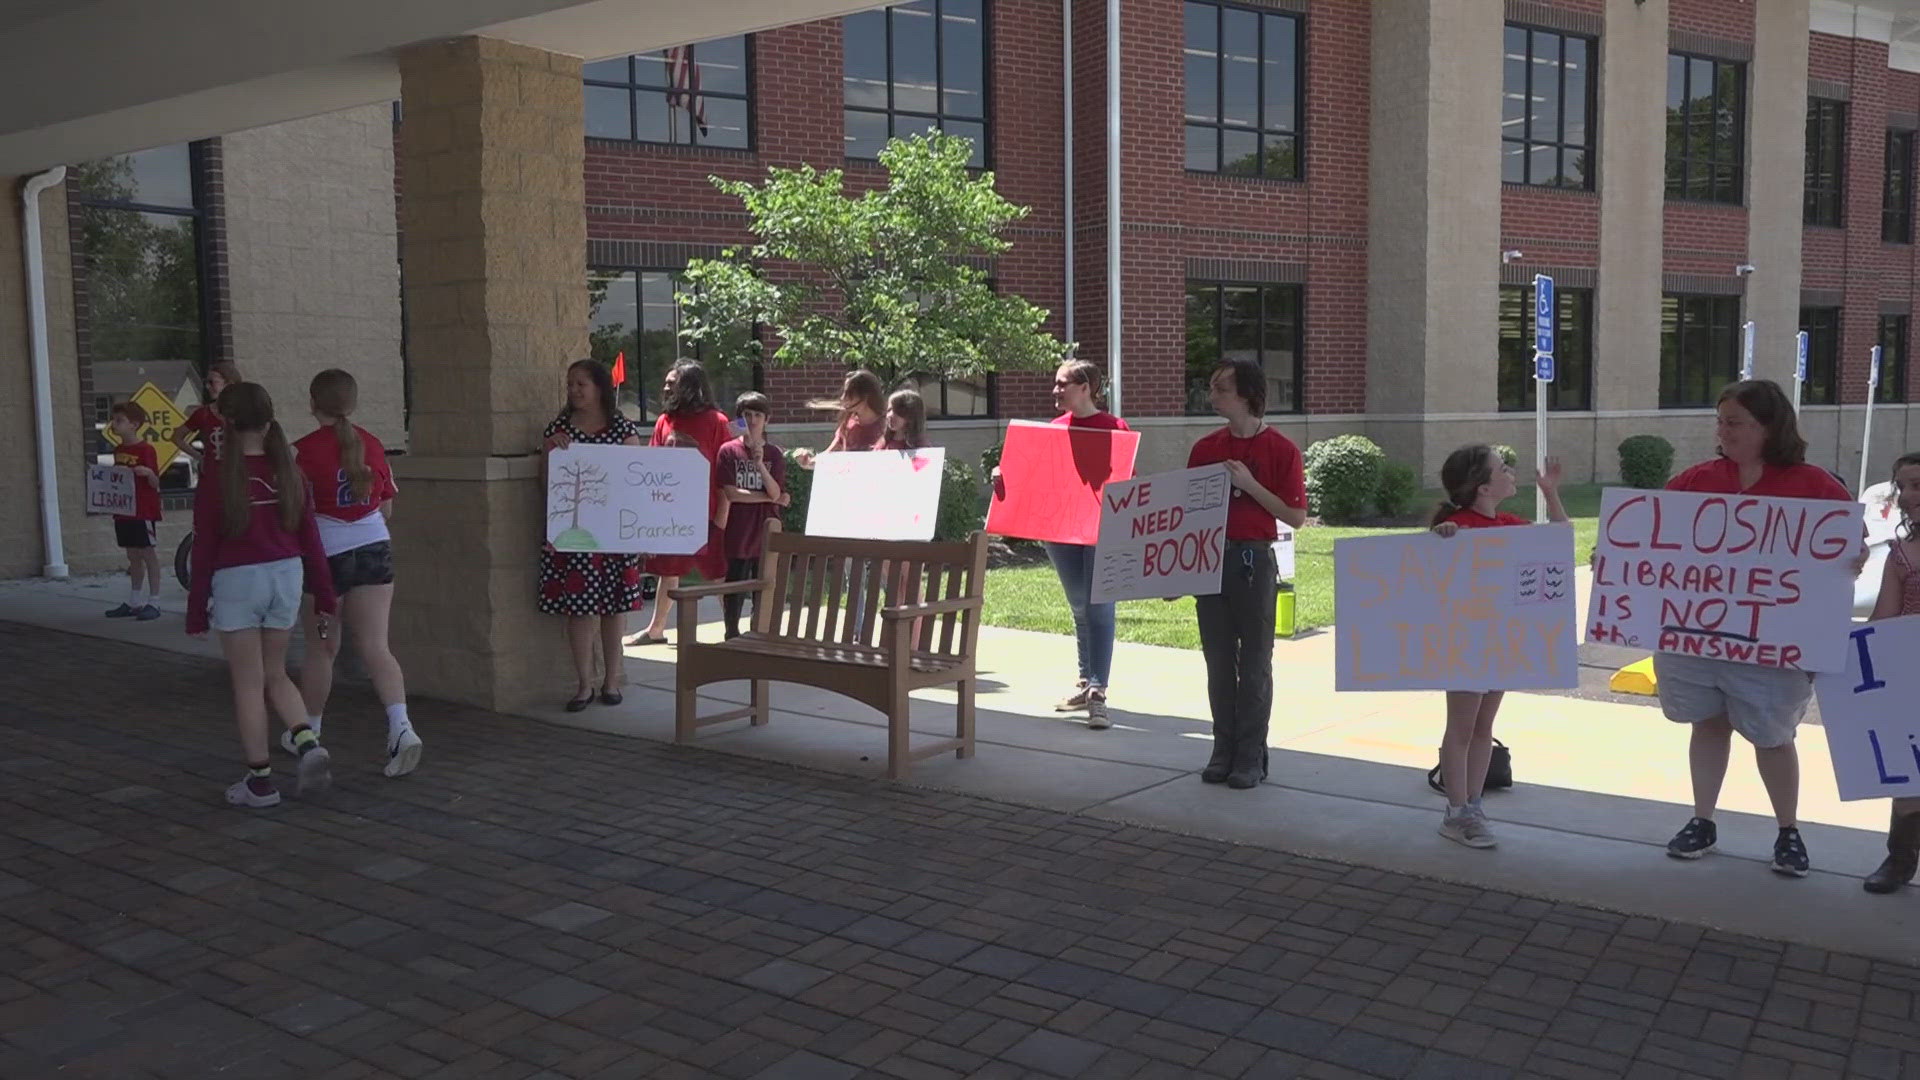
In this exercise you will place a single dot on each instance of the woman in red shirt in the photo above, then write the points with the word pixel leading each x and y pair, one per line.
pixel 688 418
pixel 1761 453
pixel 203 424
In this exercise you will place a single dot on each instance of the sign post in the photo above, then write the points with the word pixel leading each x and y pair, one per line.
pixel 1543 310
pixel 1746 351
pixel 1799 367
pixel 1866 429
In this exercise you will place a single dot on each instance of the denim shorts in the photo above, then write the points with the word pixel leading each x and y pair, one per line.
pixel 368 564
pixel 263 596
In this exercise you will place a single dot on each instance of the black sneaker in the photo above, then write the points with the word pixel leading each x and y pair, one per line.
pixel 1789 853
pixel 124 611
pixel 1695 840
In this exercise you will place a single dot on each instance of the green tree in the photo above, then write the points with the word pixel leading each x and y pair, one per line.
pixel 891 280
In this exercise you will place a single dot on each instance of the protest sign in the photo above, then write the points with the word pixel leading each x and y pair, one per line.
pixel 110 490
pixel 1050 480
pixel 1162 535
pixel 1484 609
pixel 1873 730
pixel 876 495
pixel 628 499
pixel 1745 578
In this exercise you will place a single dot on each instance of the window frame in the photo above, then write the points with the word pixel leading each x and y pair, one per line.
pixel 639 379
pixel 1893 359
pixel 1219 288
pixel 1823 355
pixel 1591 105
pixel 1674 399
pixel 926 384
pixel 1896 221
pixel 634 88
pixel 1676 187
pixel 1826 139
pixel 1261 130
pixel 1583 332
pixel 940 116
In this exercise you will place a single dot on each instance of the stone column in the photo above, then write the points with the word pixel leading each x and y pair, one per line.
pixel 1776 178
pixel 1632 181
pixel 1433 232
pixel 493 248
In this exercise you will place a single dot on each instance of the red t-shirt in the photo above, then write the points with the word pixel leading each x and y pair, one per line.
pixel 747 522
pixel 1100 421
pixel 318 455
pixel 1274 461
pixel 146 493
pixel 1469 518
pixel 1721 476
pixel 854 435
pixel 212 432
pixel 263 542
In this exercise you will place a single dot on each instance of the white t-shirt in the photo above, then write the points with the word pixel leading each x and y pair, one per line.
pixel 337 536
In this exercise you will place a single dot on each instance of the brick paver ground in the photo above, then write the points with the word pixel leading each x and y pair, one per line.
pixel 541 901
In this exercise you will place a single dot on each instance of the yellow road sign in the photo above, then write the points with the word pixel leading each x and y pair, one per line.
pixel 162 417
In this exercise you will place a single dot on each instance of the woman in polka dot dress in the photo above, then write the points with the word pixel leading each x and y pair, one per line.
pixel 594 591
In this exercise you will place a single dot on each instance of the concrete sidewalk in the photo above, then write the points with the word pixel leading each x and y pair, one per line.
pixel 1601 785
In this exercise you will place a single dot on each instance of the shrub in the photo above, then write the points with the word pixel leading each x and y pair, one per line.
pixel 990 458
pixel 1343 477
pixel 963 505
pixel 799 485
pixel 1399 486
pixel 1507 454
pixel 1645 460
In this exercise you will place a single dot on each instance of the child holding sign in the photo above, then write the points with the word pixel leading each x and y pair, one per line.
pixel 1236 626
pixel 1477 479
pixel 1900 595
pixel 135 532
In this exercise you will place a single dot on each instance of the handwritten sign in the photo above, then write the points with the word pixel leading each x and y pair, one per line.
pixel 876 495
pixel 1162 535
pixel 628 499
pixel 1485 609
pixel 1744 578
pixel 1050 480
pixel 1873 730
pixel 110 490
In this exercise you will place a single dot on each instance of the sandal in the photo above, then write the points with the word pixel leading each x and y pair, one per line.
pixel 642 639
pixel 580 704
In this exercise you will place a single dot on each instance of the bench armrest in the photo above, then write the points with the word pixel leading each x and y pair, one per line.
pixel 932 607
pixel 700 592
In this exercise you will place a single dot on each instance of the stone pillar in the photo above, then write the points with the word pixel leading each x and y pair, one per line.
pixel 1632 181
pixel 1433 232
pixel 1776 178
pixel 493 226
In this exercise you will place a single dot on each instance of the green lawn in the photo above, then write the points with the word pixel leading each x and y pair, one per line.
pixel 1028 597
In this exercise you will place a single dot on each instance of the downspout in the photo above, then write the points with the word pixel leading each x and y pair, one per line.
pixel 56 564
pixel 1114 380
pixel 1066 111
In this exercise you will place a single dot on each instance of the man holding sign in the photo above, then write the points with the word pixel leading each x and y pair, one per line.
pixel 1267 479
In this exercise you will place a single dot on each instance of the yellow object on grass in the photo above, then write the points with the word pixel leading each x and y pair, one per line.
pixel 1635 678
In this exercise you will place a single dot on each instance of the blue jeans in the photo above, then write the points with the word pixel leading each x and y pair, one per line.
pixel 1092 623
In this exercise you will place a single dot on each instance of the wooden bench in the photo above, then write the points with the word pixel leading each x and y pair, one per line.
pixel 917 625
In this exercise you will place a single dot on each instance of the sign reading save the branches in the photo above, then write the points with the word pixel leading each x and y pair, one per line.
pixel 628 499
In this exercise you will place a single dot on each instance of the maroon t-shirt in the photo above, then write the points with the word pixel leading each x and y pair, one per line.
pixel 747 522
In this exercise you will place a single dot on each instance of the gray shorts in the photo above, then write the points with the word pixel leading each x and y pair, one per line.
pixel 1764 704
pixel 263 596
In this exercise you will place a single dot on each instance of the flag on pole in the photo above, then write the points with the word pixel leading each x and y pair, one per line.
pixel 620 368
pixel 684 77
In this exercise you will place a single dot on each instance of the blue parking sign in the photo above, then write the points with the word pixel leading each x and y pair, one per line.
pixel 1543 315
pixel 1800 358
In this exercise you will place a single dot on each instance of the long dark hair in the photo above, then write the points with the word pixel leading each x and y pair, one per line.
pixel 333 393
pixel 602 383
pixel 911 406
pixel 861 385
pixel 691 393
pixel 246 406
pixel 1769 405
pixel 1465 471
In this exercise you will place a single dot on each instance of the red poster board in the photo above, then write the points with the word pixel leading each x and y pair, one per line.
pixel 1050 480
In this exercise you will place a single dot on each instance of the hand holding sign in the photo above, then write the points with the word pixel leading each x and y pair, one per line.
pixel 1162 535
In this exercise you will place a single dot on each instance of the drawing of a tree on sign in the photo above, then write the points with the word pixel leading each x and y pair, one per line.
pixel 577 483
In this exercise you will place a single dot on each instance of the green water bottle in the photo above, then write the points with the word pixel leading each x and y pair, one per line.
pixel 1283 611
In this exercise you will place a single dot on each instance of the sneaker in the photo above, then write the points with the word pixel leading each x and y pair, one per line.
pixel 122 612
pixel 286 743
pixel 147 614
pixel 1097 718
pixel 315 771
pixel 1790 854
pixel 1467 828
pixel 243 794
pixel 403 752
pixel 1075 701
pixel 1695 840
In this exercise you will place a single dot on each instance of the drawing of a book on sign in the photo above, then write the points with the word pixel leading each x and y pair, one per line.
pixel 1553 580
pixel 1540 583
pixel 1207 492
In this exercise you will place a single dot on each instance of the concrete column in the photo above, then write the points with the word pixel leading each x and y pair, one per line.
pixel 1776 178
pixel 1434 216
pixel 493 226
pixel 1632 182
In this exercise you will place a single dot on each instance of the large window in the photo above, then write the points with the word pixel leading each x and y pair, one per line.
pixel 1822 327
pixel 694 95
pixel 1706 128
pixel 1546 119
pixel 1893 360
pixel 1572 387
pixel 1896 194
pixel 1699 348
pixel 139 248
pixel 1826 162
pixel 1244 91
pixel 916 67
pixel 955 399
pixel 635 315
pixel 1262 323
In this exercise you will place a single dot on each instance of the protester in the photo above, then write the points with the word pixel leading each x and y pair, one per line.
pixel 753 477
pixel 138 532
pixel 204 425
pixel 906 422
pixel 1900 595
pixel 861 424
pixel 688 418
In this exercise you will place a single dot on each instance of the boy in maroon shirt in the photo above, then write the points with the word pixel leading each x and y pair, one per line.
pixel 752 475
pixel 135 532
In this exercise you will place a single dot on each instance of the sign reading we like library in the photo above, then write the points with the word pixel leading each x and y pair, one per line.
pixel 1745 578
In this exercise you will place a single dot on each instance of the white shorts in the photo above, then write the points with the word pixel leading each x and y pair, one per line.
pixel 1764 704
pixel 263 596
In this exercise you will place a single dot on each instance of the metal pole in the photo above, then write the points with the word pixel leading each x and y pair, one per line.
pixel 1746 351
pixel 1866 429
pixel 1066 113
pixel 1801 344
pixel 1539 442
pixel 1114 380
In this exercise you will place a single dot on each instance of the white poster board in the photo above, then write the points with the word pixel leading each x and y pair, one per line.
pixel 876 494
pixel 1484 609
pixel 1161 535
pixel 628 500
pixel 1745 578
pixel 110 490
pixel 1873 729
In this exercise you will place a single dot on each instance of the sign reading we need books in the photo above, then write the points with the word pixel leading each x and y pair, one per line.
pixel 628 499
pixel 1162 536
pixel 1873 730
pixel 1745 578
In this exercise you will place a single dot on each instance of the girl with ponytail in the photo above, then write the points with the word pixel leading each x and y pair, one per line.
pixel 255 548
pixel 353 493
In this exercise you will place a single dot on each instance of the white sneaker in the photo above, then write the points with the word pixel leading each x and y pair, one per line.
pixel 1468 828
pixel 315 771
pixel 242 795
pixel 403 752
pixel 286 743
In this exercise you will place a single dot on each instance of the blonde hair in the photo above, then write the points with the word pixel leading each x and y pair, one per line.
pixel 334 393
